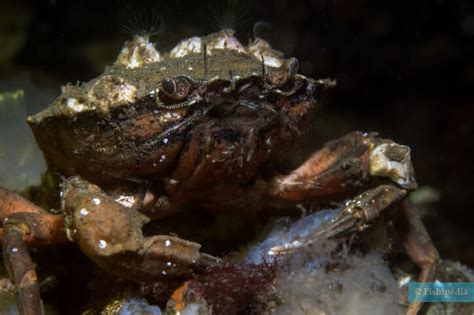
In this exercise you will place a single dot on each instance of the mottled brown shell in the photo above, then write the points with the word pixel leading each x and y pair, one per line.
pixel 121 127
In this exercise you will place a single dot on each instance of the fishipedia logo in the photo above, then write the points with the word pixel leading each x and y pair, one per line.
pixel 441 292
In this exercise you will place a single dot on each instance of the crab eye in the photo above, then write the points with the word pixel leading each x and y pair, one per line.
pixel 168 86
pixel 177 88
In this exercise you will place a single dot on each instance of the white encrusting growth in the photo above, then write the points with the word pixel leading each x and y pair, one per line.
pixel 138 52
pixel 186 47
pixel 219 41
pixel 83 212
pixel 225 40
pixel 118 88
pixel 127 201
pixel 126 93
pixel 102 244
pixel 108 91
pixel 400 170
pixel 74 105
pixel 276 250
pixel 261 48
pixel 404 281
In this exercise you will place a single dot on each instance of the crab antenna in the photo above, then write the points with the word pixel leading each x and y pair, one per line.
pixel 205 60
pixel 263 66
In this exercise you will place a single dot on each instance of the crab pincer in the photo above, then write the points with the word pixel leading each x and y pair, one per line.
pixel 110 233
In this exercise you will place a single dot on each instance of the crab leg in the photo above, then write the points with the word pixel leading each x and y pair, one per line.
pixel 358 214
pixel 21 270
pixel 418 246
pixel 11 203
pixel 349 165
pixel 110 234
pixel 25 224
pixel 362 211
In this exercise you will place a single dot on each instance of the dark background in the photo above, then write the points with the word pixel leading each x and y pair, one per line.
pixel 404 69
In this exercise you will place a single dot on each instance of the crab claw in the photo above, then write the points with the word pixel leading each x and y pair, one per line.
pixel 357 215
pixel 346 166
pixel 110 233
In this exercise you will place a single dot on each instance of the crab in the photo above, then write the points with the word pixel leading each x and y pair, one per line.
pixel 200 128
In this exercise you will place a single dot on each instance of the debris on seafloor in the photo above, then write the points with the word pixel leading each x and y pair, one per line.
pixel 326 278
pixel 235 288
pixel 139 306
pixel 131 305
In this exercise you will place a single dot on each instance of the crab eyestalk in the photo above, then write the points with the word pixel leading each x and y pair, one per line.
pixel 177 88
